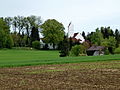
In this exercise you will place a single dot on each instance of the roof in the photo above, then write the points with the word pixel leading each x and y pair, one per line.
pixel 76 40
pixel 75 34
pixel 96 48
pixel 77 37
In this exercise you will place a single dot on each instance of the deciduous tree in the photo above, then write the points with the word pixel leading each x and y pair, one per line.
pixel 53 31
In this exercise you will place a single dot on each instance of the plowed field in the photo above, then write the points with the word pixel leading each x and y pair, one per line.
pixel 83 76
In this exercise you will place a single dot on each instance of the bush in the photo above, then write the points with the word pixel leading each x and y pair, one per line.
pixel 36 44
pixel 9 42
pixel 117 50
pixel 77 50
pixel 64 47
pixel 107 52
pixel 6 40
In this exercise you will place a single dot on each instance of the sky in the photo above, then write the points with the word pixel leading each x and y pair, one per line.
pixel 86 15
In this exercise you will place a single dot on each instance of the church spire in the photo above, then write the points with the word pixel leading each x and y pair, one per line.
pixel 70 30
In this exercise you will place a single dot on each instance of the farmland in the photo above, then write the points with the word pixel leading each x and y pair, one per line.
pixel 83 76
pixel 43 70
pixel 12 58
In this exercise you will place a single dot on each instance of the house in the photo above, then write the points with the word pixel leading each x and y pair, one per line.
pixel 96 50
pixel 76 37
pixel 46 46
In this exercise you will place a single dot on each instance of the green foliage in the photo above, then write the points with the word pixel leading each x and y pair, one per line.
pixel 117 37
pixel 107 52
pixel 64 47
pixel 77 50
pixel 117 50
pixel 86 45
pixel 105 42
pixel 83 49
pixel 34 34
pixel 96 37
pixel 53 31
pixel 5 37
pixel 9 42
pixel 104 37
pixel 36 44
pixel 107 32
pixel 112 42
pixel 4 26
pixel 22 26
pixel 15 39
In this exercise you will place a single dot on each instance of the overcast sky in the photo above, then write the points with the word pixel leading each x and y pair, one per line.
pixel 86 15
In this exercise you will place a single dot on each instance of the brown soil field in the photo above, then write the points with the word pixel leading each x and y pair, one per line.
pixel 82 76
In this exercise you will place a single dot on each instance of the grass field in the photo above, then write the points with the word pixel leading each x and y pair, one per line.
pixel 66 73
pixel 11 58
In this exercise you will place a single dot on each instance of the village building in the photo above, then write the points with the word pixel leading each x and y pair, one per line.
pixel 96 50
pixel 75 37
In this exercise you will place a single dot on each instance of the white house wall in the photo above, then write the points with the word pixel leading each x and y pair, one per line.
pixel 79 36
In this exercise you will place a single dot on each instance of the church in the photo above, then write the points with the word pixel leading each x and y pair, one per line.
pixel 76 37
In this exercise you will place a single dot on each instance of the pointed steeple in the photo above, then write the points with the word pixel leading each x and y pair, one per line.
pixel 70 30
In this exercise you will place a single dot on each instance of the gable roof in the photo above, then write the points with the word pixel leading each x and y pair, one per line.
pixel 74 38
pixel 96 48
pixel 75 34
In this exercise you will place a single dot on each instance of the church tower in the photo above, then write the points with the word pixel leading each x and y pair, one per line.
pixel 70 30
pixel 74 36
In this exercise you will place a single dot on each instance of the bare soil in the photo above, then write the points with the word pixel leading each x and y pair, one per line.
pixel 83 76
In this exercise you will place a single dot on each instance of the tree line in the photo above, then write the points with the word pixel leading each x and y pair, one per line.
pixel 25 30
pixel 105 36
pixel 20 31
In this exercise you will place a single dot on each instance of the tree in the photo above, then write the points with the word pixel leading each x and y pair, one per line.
pixel 14 23
pixel 77 50
pixel 5 37
pixel 65 47
pixel 36 44
pixel 110 44
pixel 34 35
pixel 83 34
pixel 8 20
pixel 27 27
pixel 31 22
pixel 53 32
pixel 34 21
pixel 96 37
pixel 117 37
pixel 117 50
pixel 107 32
pixel 22 26
pixel 105 42
pixel 86 44
pixel 20 23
